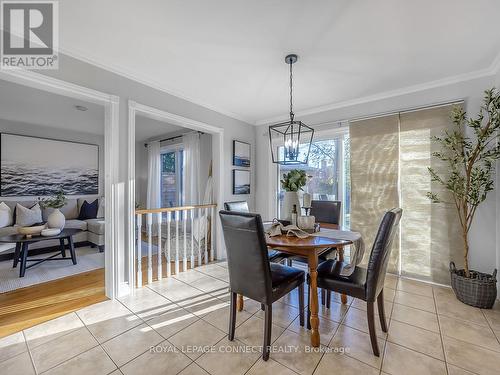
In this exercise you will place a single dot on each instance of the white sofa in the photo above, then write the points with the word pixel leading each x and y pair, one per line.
pixel 93 229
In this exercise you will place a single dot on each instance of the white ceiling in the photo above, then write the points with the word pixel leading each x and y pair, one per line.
pixel 25 104
pixel 148 129
pixel 228 54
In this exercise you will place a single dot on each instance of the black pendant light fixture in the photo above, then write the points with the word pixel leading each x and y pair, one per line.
pixel 291 140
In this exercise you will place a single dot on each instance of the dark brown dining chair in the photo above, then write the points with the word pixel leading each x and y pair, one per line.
pixel 252 275
pixel 242 206
pixel 367 283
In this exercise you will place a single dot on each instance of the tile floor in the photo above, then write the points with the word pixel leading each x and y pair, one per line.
pixel 185 319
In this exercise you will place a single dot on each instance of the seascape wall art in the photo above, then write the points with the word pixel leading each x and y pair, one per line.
pixel 241 182
pixel 33 166
pixel 241 154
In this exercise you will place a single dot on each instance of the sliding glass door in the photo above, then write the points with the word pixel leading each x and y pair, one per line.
pixel 328 167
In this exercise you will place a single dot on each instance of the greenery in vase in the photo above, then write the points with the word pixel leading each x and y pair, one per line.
pixel 471 161
pixel 56 201
pixel 294 180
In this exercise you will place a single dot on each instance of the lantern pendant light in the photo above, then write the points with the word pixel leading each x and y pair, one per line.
pixel 291 140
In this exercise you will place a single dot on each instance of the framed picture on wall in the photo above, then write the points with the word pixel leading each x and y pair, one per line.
pixel 241 181
pixel 241 154
pixel 31 166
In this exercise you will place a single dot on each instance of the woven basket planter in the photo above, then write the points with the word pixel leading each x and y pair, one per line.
pixel 478 290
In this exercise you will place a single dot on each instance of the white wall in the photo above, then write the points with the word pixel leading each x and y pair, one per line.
pixel 483 235
pixel 36 130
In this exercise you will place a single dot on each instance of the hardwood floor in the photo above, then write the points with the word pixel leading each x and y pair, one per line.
pixel 26 307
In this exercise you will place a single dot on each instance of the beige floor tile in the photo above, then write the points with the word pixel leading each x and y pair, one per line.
pixel 471 357
pixel 108 319
pixel 165 359
pixel 361 305
pixel 65 347
pixel 449 306
pixel 343 364
pixel 220 318
pixel 215 271
pixel 357 344
pixel 228 357
pixel 389 294
pixel 175 290
pixel 442 291
pixel 357 319
pixel 251 332
pixel 146 303
pixel 302 359
pixel 95 362
pixel 193 369
pixel 130 344
pixel 336 312
pixel 391 281
pixel 416 317
pixel 493 316
pixel 292 298
pixel 336 297
pixel 399 360
pixel 417 339
pixel 170 323
pixel 202 304
pixel 189 276
pixel 18 365
pixel 327 329
pixel 269 367
pixel 454 370
pixel 283 315
pixel 210 284
pixel 470 332
pixel 415 301
pixel 415 287
pixel 12 345
pixel 45 332
pixel 195 336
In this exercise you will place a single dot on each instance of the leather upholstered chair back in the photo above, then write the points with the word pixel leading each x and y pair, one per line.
pixel 247 258
pixel 239 206
pixel 381 251
pixel 326 211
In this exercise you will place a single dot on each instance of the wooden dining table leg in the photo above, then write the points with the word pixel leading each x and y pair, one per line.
pixel 239 303
pixel 313 298
pixel 340 251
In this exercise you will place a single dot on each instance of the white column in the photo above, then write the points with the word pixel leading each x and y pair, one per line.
pixel 160 271
pixel 149 221
pixel 169 268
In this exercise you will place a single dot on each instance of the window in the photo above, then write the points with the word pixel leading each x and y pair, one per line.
pixel 328 166
pixel 172 172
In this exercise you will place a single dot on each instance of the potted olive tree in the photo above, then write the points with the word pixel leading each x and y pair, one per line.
pixel 471 162
pixel 292 182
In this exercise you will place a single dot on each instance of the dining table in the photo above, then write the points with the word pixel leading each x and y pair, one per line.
pixel 310 248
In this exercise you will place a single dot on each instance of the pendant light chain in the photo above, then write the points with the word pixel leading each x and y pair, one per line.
pixel 292 115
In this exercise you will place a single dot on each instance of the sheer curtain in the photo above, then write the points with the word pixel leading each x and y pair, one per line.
pixel 191 143
pixel 154 175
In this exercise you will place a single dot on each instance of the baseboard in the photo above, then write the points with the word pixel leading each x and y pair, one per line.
pixel 44 250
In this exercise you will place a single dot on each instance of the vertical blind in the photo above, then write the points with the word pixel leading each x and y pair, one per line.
pixel 389 160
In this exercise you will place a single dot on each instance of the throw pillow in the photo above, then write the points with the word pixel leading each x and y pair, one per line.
pixel 28 216
pixel 89 210
pixel 6 217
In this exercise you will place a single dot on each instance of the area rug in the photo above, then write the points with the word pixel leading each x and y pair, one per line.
pixel 88 259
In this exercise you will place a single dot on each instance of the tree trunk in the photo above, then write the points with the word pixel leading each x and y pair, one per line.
pixel 465 236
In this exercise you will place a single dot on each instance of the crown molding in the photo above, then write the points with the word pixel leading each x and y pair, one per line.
pixel 148 82
pixel 492 70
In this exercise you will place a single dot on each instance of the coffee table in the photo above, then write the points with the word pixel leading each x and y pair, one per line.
pixel 22 243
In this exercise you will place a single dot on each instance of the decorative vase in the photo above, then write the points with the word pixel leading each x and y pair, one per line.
pixel 290 199
pixel 56 219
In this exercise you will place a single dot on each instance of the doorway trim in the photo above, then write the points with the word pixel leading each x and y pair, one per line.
pixel 218 156
pixel 111 157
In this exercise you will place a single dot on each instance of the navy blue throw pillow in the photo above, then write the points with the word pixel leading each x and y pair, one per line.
pixel 89 210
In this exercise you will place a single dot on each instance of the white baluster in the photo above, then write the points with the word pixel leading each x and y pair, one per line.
pixel 176 213
pixel 139 250
pixel 184 255
pixel 169 268
pixel 160 271
pixel 212 233
pixel 205 220
pixel 149 223
pixel 192 237
pixel 199 237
